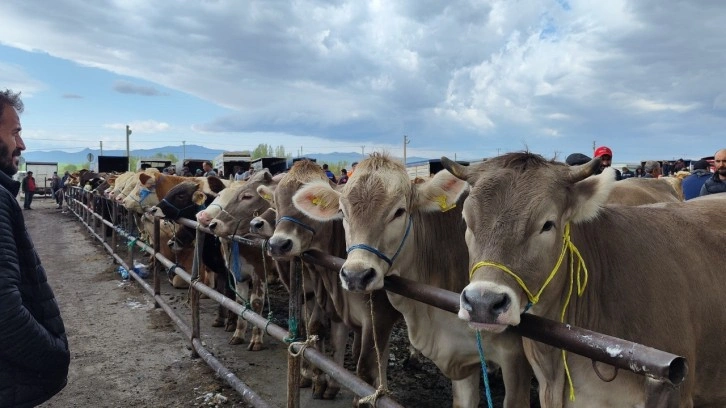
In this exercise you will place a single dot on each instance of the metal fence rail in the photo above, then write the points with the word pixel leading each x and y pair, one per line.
pixel 662 371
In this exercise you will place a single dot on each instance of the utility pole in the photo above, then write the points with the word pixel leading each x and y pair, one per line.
pixel 363 151
pixel 406 141
pixel 301 151
pixel 101 142
pixel 184 150
pixel 498 149
pixel 128 133
pixel 593 145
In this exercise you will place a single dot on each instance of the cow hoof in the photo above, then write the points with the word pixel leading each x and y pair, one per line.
pixel 236 340
pixel 331 392
pixel 305 382
pixel 218 322
pixel 255 346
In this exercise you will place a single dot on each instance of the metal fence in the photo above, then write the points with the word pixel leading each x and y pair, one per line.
pixel 663 372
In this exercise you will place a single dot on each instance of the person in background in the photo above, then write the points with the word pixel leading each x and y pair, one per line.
pixel 717 182
pixel 185 172
pixel 55 188
pixel 352 169
pixel 34 355
pixel 651 169
pixel 627 173
pixel 208 170
pixel 199 172
pixel 692 184
pixel 666 168
pixel 28 186
pixel 343 177
pixel 329 173
pixel 638 171
pixel 238 173
pixel 606 160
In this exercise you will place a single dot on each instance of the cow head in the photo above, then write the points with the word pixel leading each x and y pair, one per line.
pixel 517 214
pixel 184 200
pixel 377 206
pixel 295 232
pixel 264 224
pixel 235 206
pixel 143 195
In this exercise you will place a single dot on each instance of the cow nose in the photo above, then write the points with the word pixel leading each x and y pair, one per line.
pixel 256 225
pixel 357 281
pixel 484 307
pixel 279 246
pixel 212 225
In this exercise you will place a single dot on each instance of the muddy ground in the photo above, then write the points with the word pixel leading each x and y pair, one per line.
pixel 126 353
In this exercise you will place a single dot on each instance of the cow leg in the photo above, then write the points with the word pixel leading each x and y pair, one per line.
pixel 257 297
pixel 229 293
pixel 516 375
pixel 466 391
pixel 338 340
pixel 243 293
pixel 219 286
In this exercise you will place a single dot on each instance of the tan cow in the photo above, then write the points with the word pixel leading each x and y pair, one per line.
pixel 639 191
pixel 370 316
pixel 395 227
pixel 526 216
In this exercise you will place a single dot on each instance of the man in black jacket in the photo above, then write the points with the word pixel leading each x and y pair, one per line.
pixel 34 354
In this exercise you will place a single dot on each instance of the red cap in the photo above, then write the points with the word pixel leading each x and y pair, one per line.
pixel 603 150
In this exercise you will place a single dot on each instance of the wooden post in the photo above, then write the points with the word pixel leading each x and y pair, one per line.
pixel 114 216
pixel 156 265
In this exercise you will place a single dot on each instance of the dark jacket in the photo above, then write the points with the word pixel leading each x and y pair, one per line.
pixel 34 354
pixel 693 182
pixel 713 185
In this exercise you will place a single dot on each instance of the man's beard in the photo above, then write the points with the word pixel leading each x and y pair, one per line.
pixel 721 171
pixel 7 164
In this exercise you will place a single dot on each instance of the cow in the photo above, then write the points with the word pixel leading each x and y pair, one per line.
pixel 151 188
pixel 639 191
pixel 395 227
pixel 184 200
pixel 243 194
pixel 534 227
pixel 370 316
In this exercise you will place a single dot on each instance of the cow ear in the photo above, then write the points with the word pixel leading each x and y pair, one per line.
pixel 266 193
pixel 199 198
pixel 215 184
pixel 590 195
pixel 440 193
pixel 318 200
pixel 143 178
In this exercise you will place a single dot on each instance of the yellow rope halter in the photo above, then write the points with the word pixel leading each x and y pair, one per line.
pixel 581 274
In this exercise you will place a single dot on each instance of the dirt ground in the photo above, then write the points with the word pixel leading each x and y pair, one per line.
pixel 124 352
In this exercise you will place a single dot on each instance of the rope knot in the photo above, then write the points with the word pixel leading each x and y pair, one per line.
pixel 371 400
pixel 311 340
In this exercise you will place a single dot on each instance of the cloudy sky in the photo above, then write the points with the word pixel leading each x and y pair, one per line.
pixel 462 78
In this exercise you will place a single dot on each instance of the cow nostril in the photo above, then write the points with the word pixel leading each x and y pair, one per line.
pixel 500 305
pixel 212 225
pixel 256 224
pixel 286 246
pixel 464 303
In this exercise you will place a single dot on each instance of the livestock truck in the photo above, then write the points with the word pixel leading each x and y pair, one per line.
pixel 43 174
pixel 225 163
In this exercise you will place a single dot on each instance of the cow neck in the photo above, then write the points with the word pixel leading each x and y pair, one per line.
pixel 380 254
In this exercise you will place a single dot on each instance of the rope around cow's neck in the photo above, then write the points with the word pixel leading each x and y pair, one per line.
pixel 581 274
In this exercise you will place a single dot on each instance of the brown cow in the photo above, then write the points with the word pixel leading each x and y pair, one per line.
pixel 639 191
pixel 296 233
pixel 395 227
pixel 524 214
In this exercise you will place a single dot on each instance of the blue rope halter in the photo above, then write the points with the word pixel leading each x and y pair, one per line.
pixel 296 221
pixel 179 210
pixel 380 254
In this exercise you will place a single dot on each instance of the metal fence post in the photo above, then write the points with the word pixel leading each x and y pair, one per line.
pixel 294 331
pixel 155 265
pixel 198 248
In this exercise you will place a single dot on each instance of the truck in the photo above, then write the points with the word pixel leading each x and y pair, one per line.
pixel 191 164
pixel 43 173
pixel 109 164
pixel 225 163
pixel 274 164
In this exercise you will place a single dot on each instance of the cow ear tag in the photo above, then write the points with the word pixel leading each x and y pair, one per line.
pixel 442 201
pixel 318 201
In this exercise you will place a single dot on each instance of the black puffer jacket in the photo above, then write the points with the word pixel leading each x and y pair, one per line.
pixel 34 354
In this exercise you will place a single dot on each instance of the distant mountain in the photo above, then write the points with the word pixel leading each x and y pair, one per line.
pixel 188 151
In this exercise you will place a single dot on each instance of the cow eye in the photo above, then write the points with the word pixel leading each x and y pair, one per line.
pixel 548 226
pixel 399 213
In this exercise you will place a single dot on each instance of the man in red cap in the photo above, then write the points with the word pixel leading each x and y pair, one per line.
pixel 606 160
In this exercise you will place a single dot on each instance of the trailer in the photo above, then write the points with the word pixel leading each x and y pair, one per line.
pixel 159 164
pixel 109 164
pixel 427 168
pixel 225 163
pixel 274 164
pixel 192 164
pixel 43 174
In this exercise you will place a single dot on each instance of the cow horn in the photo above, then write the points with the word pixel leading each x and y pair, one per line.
pixel 583 171
pixel 459 170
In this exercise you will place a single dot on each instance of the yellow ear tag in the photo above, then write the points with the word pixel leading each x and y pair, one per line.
pixel 441 200
pixel 318 201
pixel 267 197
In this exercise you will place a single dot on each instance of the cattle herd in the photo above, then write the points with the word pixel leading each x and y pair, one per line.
pixel 514 234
